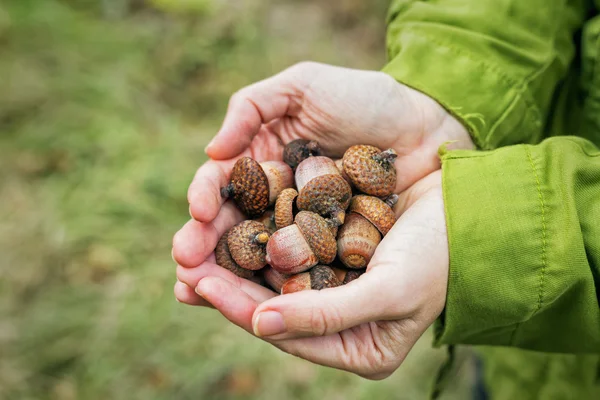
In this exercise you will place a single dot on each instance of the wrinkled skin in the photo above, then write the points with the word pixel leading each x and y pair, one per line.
pixel 369 325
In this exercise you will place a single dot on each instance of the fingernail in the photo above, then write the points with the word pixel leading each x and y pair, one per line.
pixel 173 256
pixel 268 323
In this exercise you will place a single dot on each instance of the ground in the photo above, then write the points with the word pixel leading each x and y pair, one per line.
pixel 105 109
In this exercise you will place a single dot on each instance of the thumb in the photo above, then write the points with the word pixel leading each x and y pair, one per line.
pixel 321 313
pixel 257 104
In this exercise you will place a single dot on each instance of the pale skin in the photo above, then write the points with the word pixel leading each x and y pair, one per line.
pixel 368 326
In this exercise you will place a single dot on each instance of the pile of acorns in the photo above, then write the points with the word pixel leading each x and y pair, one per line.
pixel 313 222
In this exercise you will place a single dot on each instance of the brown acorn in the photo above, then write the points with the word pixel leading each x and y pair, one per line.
pixel 302 245
pixel 225 260
pixel 246 242
pixel 322 189
pixel 274 278
pixel 255 186
pixel 345 275
pixel 318 278
pixel 299 150
pixel 368 221
pixel 357 241
pixel 371 170
pixel 375 210
pixel 284 208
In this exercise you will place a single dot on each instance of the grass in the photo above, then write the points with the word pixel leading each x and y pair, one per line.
pixel 105 110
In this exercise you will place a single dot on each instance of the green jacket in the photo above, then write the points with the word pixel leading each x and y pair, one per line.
pixel 523 215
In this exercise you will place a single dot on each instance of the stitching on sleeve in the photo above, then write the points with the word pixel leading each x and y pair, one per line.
pixel 544 231
pixel 542 273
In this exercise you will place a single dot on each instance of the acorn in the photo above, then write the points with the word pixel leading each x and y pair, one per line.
pixel 322 189
pixel 254 186
pixel 368 221
pixel 378 212
pixel 245 247
pixel 347 275
pixel 274 278
pixel 225 260
pixel 371 170
pixel 284 208
pixel 299 150
pixel 302 245
pixel 318 278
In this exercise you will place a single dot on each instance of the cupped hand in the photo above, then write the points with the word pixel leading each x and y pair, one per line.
pixel 338 107
pixel 367 326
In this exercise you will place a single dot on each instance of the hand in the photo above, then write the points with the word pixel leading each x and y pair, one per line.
pixel 367 326
pixel 338 107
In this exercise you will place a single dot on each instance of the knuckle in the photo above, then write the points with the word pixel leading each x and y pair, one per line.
pixel 325 321
pixel 318 321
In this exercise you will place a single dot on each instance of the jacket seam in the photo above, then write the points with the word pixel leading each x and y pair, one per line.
pixel 542 273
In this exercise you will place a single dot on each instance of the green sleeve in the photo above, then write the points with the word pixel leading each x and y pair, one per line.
pixel 495 64
pixel 524 235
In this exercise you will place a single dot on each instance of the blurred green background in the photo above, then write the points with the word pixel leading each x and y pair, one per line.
pixel 105 108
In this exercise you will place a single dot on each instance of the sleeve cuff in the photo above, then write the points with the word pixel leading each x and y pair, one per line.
pixel 497 253
pixel 496 110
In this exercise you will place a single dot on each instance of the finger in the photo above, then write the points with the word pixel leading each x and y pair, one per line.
pixel 195 241
pixel 321 313
pixel 235 305
pixel 258 104
pixel 204 193
pixel 185 294
pixel 357 351
pixel 192 276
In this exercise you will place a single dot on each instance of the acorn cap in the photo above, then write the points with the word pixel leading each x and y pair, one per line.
pixel 378 212
pixel 225 260
pixel 299 150
pixel 327 195
pixel 249 187
pixel 322 277
pixel 284 208
pixel 247 242
pixel 371 170
pixel 317 233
